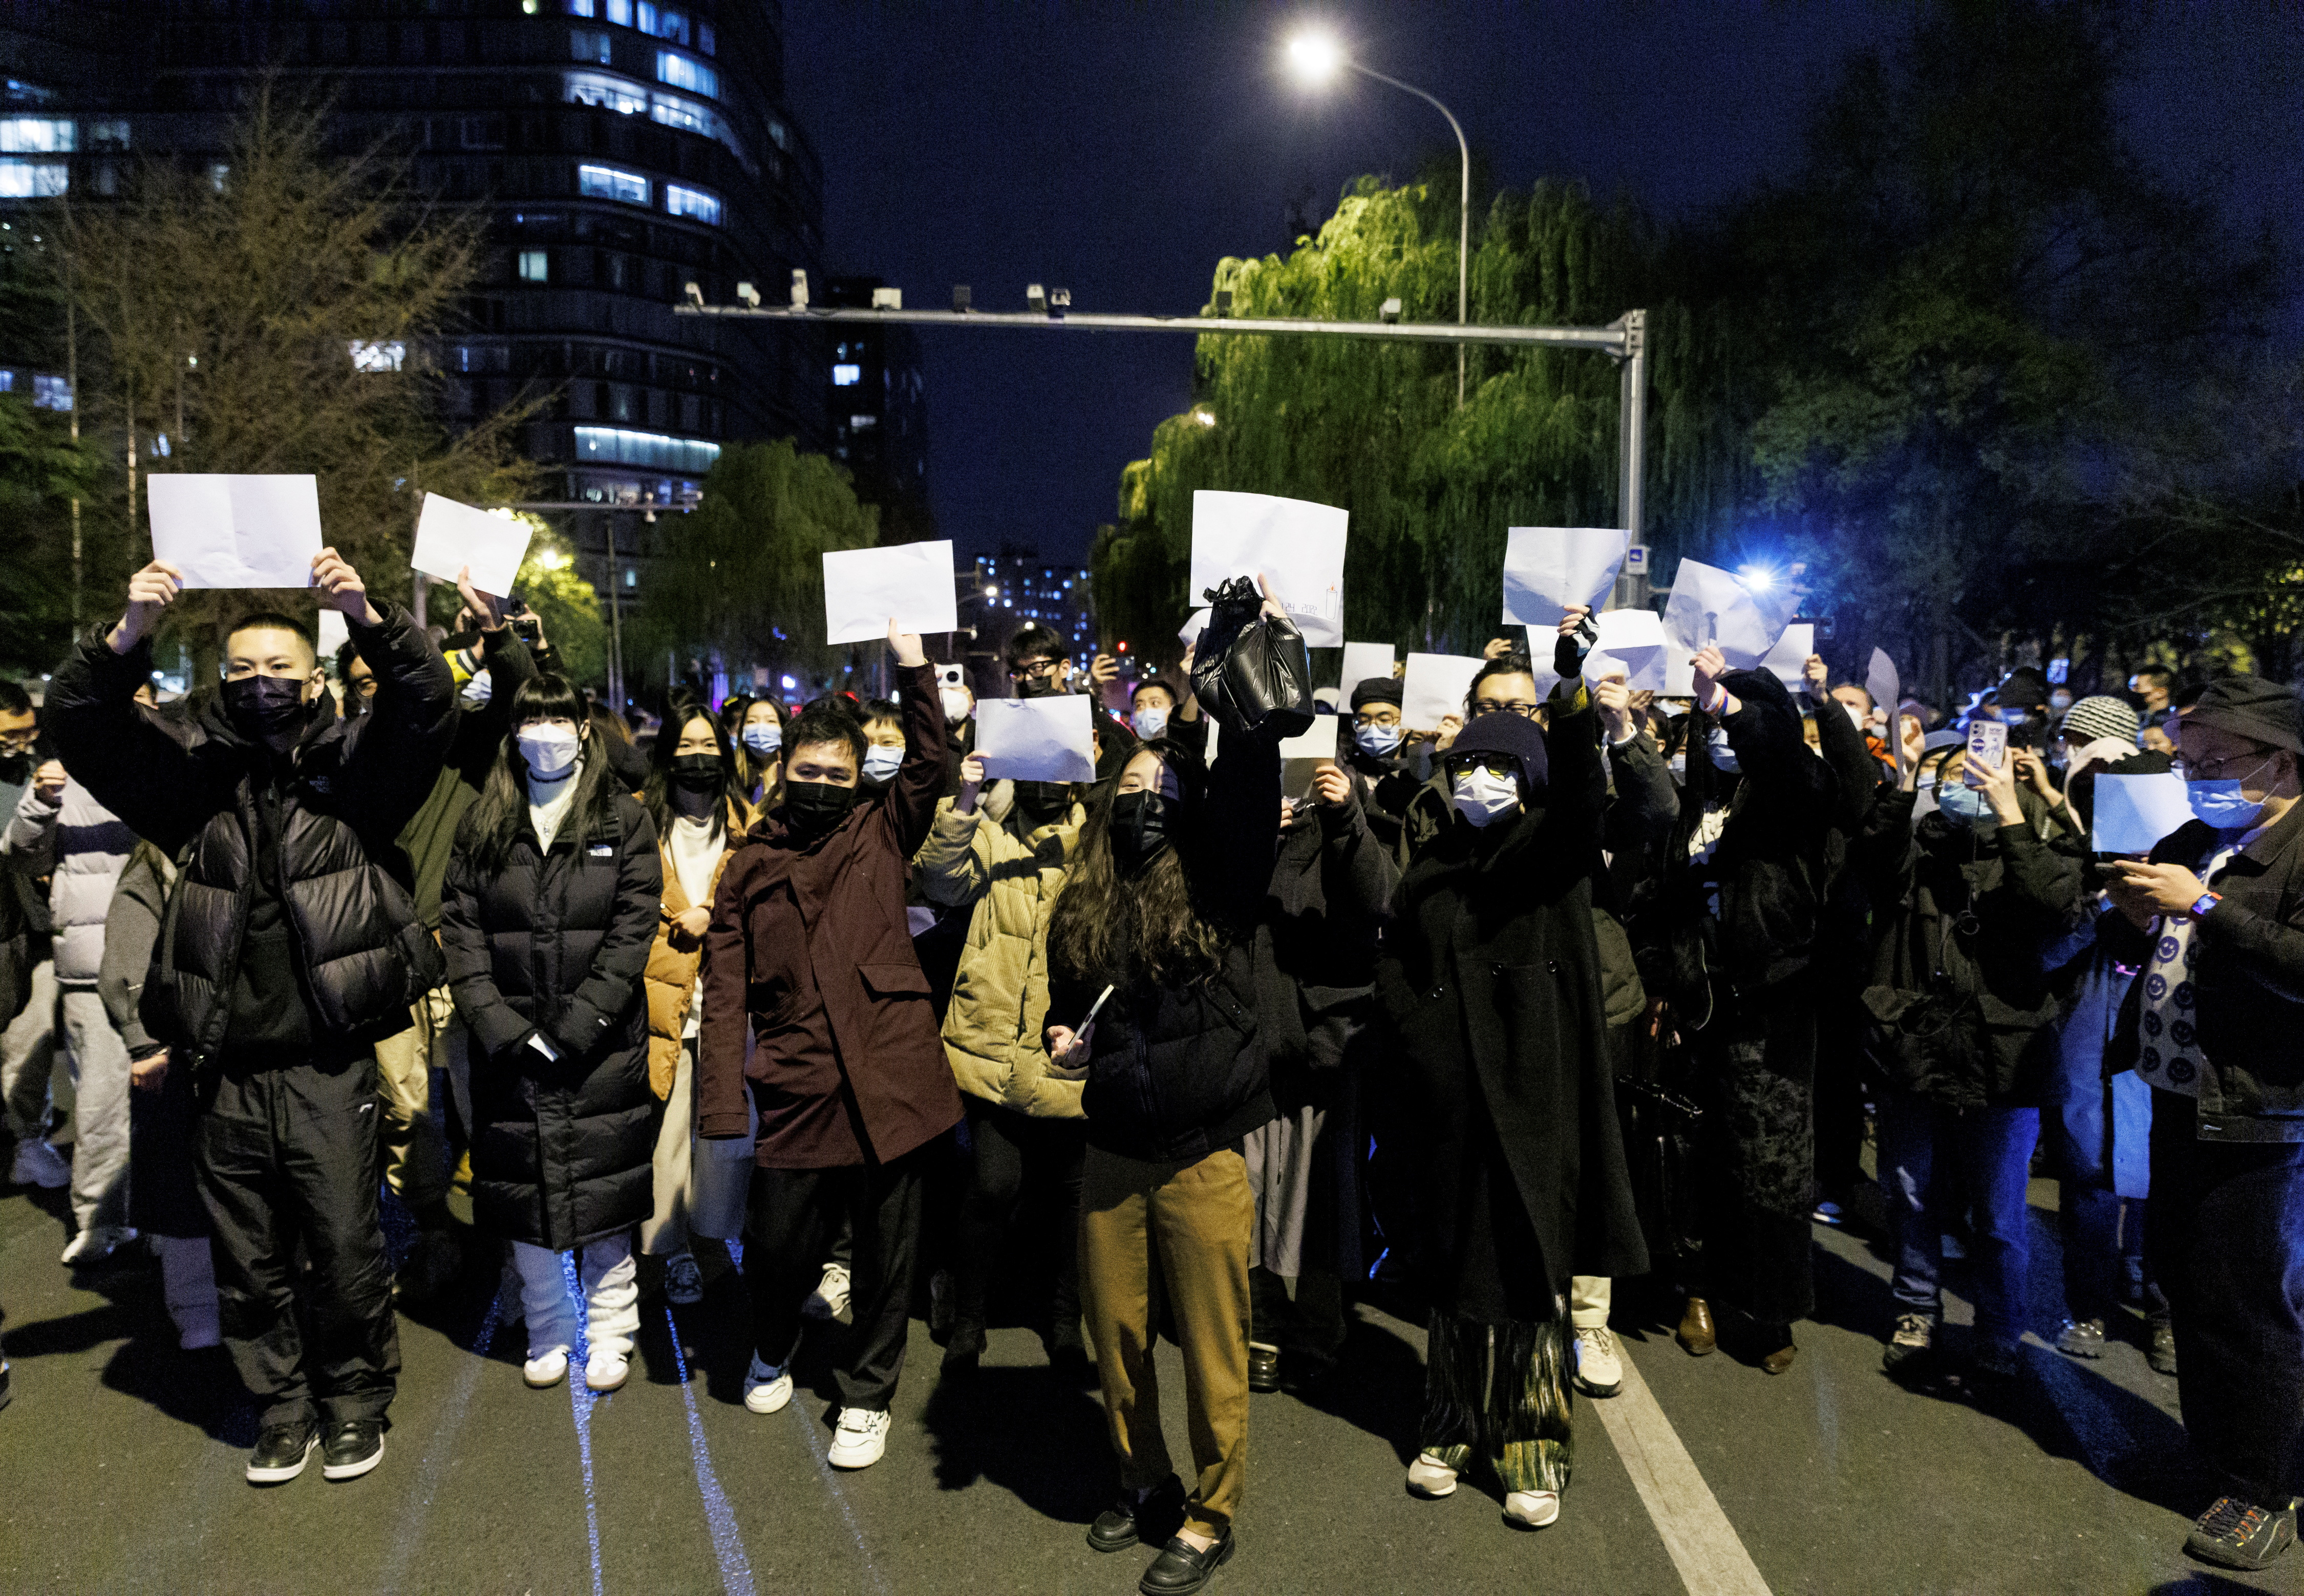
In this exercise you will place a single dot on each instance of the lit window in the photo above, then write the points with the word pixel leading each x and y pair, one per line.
pixel 606 182
pixel 107 135
pixel 36 136
pixel 590 44
pixel 705 41
pixel 675 112
pixel 632 576
pixel 217 173
pixel 691 202
pixel 660 23
pixel 683 72
pixel 378 357
pixel 33 180
pixel 863 423
pixel 580 8
pixel 614 445
pixel 611 93
pixel 534 267
pixel 847 377
pixel 51 394
pixel 619 12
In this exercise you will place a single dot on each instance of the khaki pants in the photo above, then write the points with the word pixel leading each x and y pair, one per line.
pixel 415 1151
pixel 1190 1222
pixel 1588 1299
pixel 701 1184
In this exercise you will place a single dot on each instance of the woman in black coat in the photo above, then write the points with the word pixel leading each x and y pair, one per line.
pixel 1491 978
pixel 546 918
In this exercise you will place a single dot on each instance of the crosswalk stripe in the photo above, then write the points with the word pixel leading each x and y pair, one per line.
pixel 1704 1547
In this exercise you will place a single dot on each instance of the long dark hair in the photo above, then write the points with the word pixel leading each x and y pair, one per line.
pixel 752 770
pixel 656 796
pixel 1112 926
pixel 498 818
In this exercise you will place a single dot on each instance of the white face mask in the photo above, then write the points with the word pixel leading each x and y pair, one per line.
pixel 763 739
pixel 880 764
pixel 956 704
pixel 549 750
pixel 1855 716
pixel 1483 796
pixel 1150 721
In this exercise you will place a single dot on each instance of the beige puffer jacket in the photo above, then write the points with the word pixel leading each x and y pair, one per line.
pixel 994 1030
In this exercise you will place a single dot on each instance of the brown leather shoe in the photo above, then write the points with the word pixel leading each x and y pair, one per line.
pixel 1780 1359
pixel 1697 1335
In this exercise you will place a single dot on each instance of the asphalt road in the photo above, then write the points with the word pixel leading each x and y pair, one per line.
pixel 121 1457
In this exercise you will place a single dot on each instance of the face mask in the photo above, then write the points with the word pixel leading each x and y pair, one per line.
pixel 16 769
pixel 2222 805
pixel 1722 752
pixel 1043 803
pixel 695 784
pixel 1035 686
pixel 956 704
pixel 1482 795
pixel 880 764
pixel 1962 805
pixel 764 740
pixel 813 806
pixel 2058 703
pixel 1139 829
pixel 550 751
pixel 1678 765
pixel 1377 742
pixel 1855 716
pixel 1150 722
pixel 476 692
pixel 267 709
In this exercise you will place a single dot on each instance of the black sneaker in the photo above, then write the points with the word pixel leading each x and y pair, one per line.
pixel 2161 1355
pixel 1182 1568
pixel 280 1451
pixel 354 1447
pixel 2240 1535
pixel 1263 1368
pixel 1909 1348
pixel 1149 1519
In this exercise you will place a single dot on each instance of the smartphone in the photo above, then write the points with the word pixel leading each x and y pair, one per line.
pixel 1988 744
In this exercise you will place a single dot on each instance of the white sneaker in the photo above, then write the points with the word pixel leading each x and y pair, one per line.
pixel 93 1244
pixel 1428 1476
pixel 1599 1370
pixel 38 1164
pixel 766 1388
pixel 683 1283
pixel 606 1371
pixel 1532 1508
pixel 861 1439
pixel 829 1300
pixel 545 1369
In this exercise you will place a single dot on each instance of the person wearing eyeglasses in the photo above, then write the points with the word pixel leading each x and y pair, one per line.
pixel 1491 978
pixel 1039 668
pixel 2215 917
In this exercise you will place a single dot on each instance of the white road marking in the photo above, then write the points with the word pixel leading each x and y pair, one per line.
pixel 1704 1545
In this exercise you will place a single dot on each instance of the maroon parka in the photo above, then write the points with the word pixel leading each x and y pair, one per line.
pixel 809 947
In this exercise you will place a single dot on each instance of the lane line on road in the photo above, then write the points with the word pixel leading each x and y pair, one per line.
pixel 404 1544
pixel 580 1403
pixel 1703 1546
pixel 840 1499
pixel 719 1515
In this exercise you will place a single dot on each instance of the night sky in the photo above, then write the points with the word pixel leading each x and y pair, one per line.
pixel 1121 151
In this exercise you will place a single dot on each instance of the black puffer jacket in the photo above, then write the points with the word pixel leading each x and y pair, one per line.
pixel 359 955
pixel 554 944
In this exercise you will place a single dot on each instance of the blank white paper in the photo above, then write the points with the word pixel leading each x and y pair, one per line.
pixel 1549 568
pixel 1297 545
pixel 222 531
pixel 1630 641
pixel 1362 661
pixel 1434 686
pixel 1789 658
pixel 1035 740
pixel 335 633
pixel 451 535
pixel 1710 605
pixel 909 582
pixel 2133 812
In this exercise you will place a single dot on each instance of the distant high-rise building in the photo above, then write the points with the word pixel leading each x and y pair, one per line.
pixel 1018 588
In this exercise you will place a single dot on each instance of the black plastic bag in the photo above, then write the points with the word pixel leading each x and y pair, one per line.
pixel 1251 668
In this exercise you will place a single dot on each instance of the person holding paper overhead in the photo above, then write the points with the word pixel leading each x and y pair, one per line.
pixel 809 951
pixel 2216 918
pixel 1491 976
pixel 291 947
pixel 1039 668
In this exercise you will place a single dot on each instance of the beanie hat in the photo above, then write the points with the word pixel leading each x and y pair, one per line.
pixel 1501 732
pixel 2263 711
pixel 1377 689
pixel 2097 717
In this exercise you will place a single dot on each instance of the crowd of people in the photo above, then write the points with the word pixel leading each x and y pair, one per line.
pixel 1584 984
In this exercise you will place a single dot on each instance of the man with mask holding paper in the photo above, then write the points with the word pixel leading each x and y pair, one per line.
pixel 290 948
pixel 2215 918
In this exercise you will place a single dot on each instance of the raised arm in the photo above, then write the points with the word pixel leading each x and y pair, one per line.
pixel 393 754
pixel 913 796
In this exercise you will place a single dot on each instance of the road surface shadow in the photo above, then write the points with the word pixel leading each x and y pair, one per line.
pixel 1034 1432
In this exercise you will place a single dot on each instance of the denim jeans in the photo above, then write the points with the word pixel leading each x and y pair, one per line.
pixel 1933 1163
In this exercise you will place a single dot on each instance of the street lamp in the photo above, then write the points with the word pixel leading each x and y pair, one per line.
pixel 1316 58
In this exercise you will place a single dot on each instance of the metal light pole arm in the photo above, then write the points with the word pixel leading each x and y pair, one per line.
pixel 1464 206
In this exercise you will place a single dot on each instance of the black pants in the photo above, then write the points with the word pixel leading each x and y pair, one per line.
pixel 287 1162
pixel 1309 1325
pixel 785 1233
pixel 2224 1230
pixel 1005 1149
pixel 1759 1141
pixel 1840 1097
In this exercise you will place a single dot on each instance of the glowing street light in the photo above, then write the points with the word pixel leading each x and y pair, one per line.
pixel 1316 58
pixel 1755 578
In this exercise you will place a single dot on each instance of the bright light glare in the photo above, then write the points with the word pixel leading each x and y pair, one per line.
pixel 1315 57
pixel 1757 579
pixel 1204 417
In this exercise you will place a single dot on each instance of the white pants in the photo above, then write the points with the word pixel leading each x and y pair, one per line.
pixel 98 1063
pixel 28 1056
pixel 1588 1297
pixel 701 1184
pixel 188 1286
pixel 612 1297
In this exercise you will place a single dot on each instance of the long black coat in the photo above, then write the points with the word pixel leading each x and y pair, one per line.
pixel 1491 979
pixel 556 944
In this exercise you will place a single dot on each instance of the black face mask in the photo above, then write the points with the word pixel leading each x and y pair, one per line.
pixel 1043 803
pixel 267 709
pixel 1035 686
pixel 1139 829
pixel 695 782
pixel 814 807
pixel 15 769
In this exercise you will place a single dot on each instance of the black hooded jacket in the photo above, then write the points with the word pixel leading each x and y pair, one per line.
pixel 309 833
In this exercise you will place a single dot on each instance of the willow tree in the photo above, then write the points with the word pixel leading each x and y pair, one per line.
pixel 282 310
pixel 1374 426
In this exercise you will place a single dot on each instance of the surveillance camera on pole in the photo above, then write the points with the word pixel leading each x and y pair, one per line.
pixel 800 287
pixel 748 294
pixel 1060 299
pixel 1036 299
pixel 1389 311
pixel 695 294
